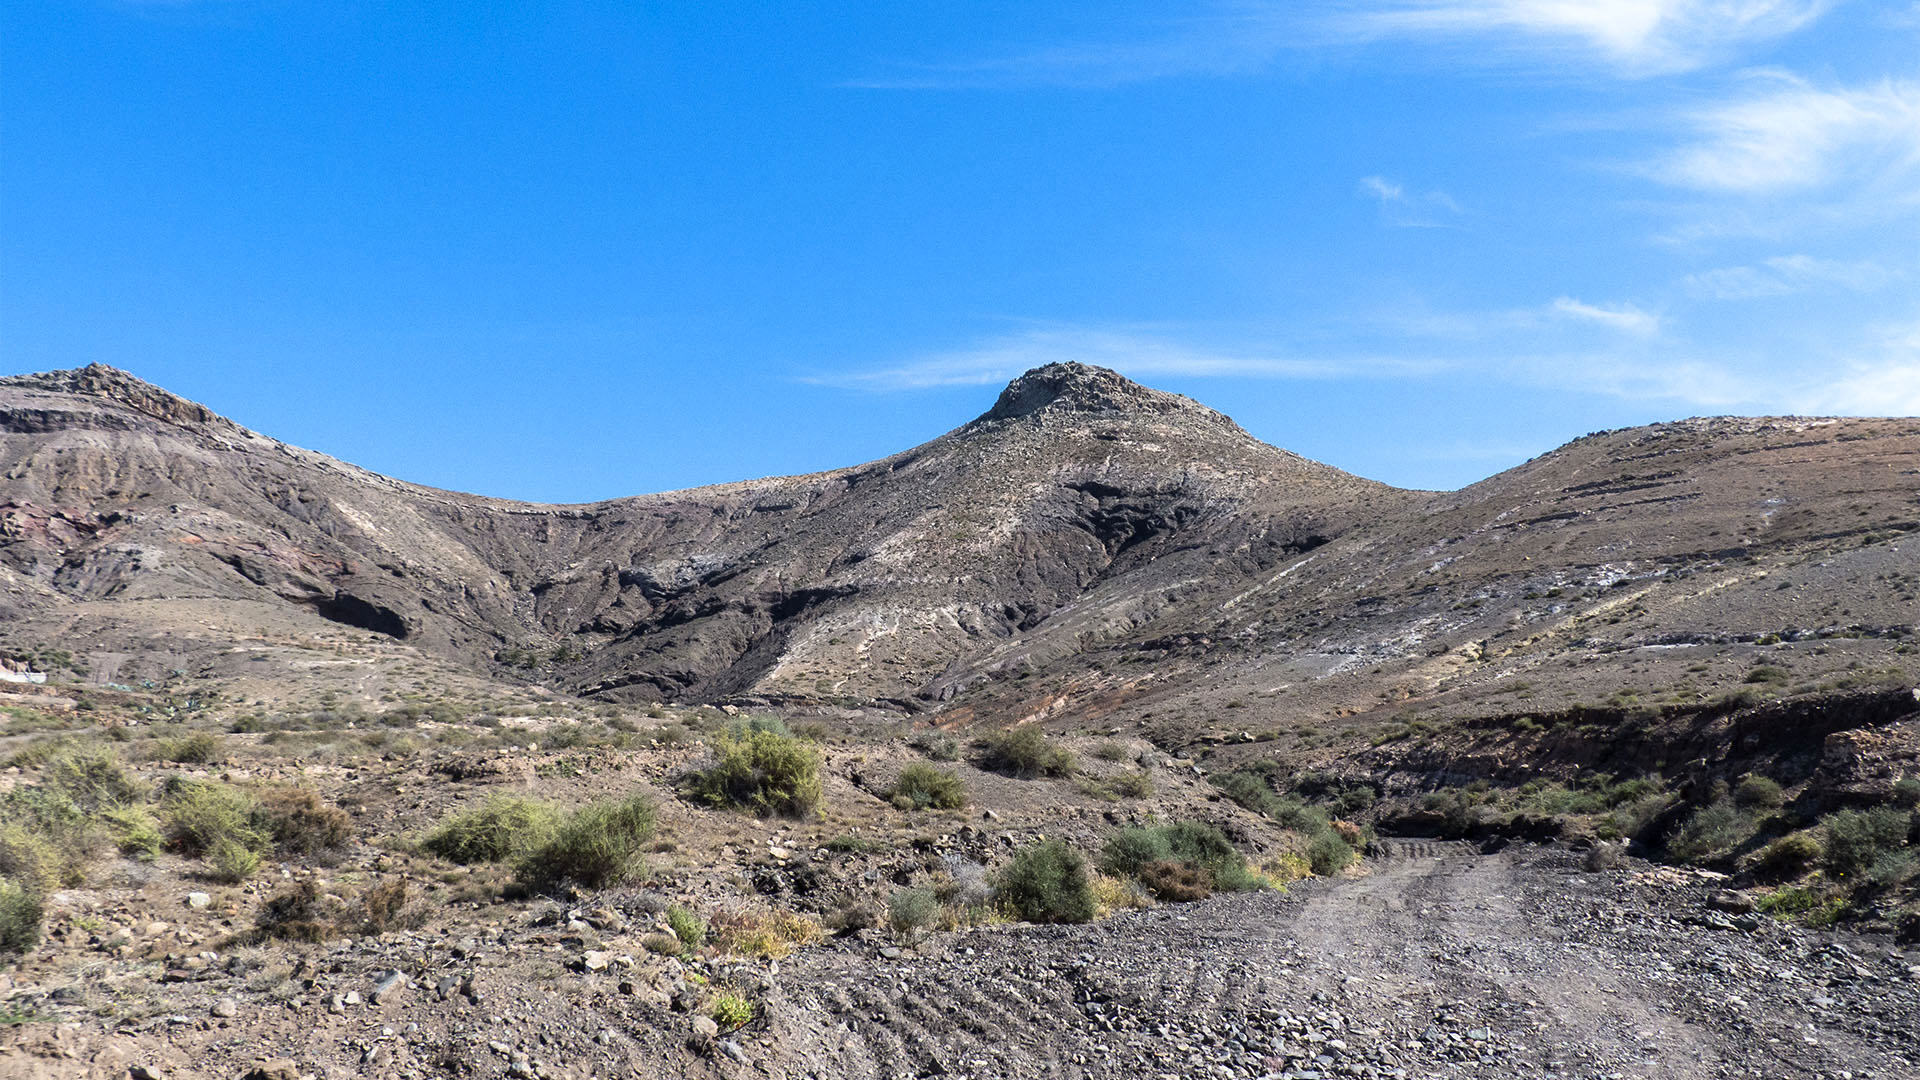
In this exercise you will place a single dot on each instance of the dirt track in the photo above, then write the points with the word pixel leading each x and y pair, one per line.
pixel 1439 962
pixel 1442 962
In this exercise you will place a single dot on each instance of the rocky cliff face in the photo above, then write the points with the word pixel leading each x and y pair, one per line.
pixel 1086 545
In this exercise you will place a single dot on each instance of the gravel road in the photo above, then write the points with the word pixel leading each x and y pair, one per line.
pixel 1442 962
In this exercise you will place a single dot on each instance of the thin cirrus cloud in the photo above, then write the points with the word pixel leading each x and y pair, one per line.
pixel 1132 351
pixel 1410 209
pixel 1625 318
pixel 1633 38
pixel 1787 275
pixel 1875 373
pixel 1789 135
pixel 1881 377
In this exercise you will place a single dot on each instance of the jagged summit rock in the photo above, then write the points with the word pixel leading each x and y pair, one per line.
pixel 1075 387
pixel 111 384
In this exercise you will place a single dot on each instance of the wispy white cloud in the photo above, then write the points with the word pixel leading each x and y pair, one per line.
pixel 1786 275
pixel 1789 135
pixel 1236 37
pixel 1410 210
pixel 1625 318
pixel 1135 351
pixel 1881 378
pixel 1878 373
pixel 1637 37
pixel 1385 190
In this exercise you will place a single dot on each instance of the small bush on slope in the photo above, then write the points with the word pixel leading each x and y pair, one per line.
pixel 1046 882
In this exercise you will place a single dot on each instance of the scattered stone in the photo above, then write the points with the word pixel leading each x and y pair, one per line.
pixel 1729 900
pixel 390 986
pixel 199 901
pixel 226 1008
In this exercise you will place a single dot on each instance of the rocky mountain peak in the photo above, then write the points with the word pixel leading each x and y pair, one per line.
pixel 1083 388
pixel 114 385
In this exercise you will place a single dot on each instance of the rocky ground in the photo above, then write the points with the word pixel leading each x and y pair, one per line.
pixel 1437 961
pixel 1440 962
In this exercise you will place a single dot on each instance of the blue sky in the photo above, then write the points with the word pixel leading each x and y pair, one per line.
pixel 575 251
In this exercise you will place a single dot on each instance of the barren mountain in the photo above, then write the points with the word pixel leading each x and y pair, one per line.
pixel 869 583
pixel 1084 544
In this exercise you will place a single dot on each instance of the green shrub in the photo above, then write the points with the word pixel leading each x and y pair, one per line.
pixel 1127 850
pixel 1713 831
pixel 1855 839
pixel 1803 906
pixel 1329 853
pixel 1026 753
pixel 1195 844
pixel 763 771
pixel 1906 792
pixel 595 846
pixel 1202 844
pixel 731 1011
pixel 1787 857
pixel 199 748
pixel 1767 673
pixel 1893 868
pixel 1758 793
pixel 1132 785
pixel 1046 882
pixel 199 814
pixel 921 786
pixel 910 911
pixel 690 929
pixel 760 724
pixel 1248 788
pixel 134 831
pixel 232 861
pixel 1111 751
pixel 92 779
pixel 1793 900
pixel 502 828
pixel 302 823
pixel 28 860
pixel 21 917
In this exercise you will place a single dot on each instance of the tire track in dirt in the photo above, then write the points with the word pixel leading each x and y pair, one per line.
pixel 1438 962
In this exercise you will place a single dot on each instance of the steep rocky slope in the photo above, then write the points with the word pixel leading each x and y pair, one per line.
pixel 1621 562
pixel 1088 548
pixel 868 583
